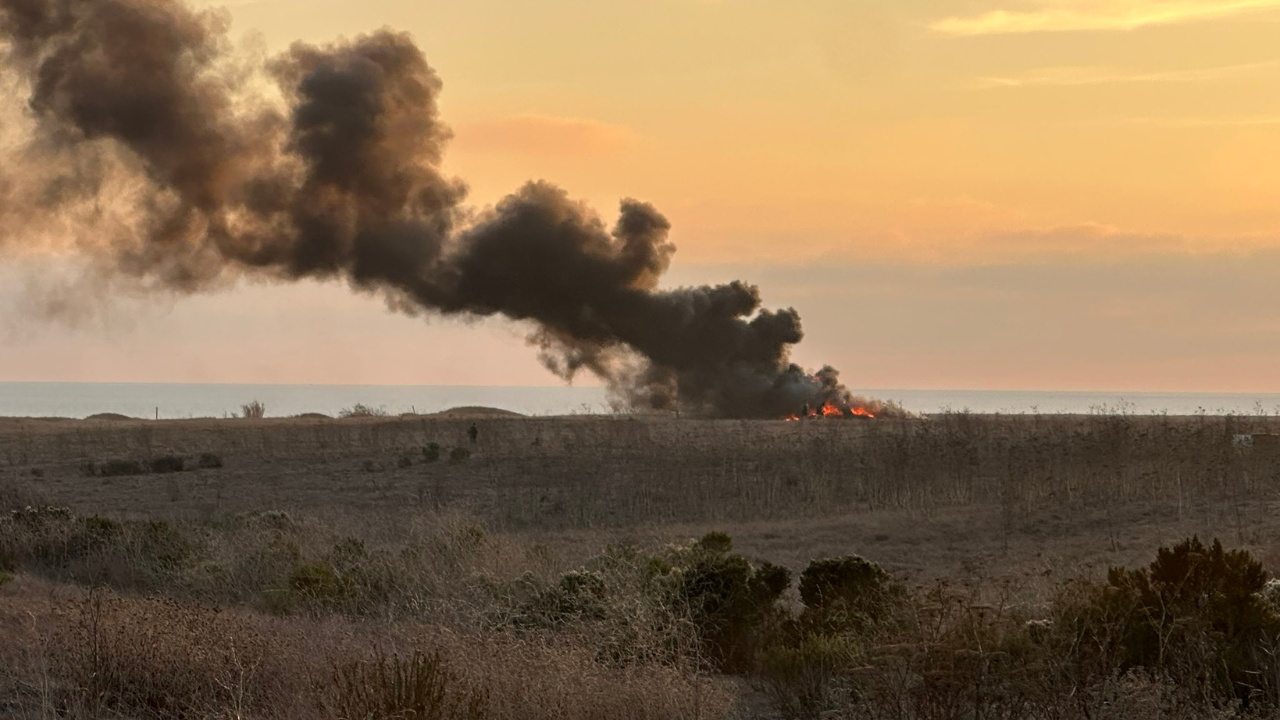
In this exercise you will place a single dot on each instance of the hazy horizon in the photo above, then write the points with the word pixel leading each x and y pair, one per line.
pixel 179 400
pixel 601 387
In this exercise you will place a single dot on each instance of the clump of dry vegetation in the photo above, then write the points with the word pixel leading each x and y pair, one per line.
pixel 360 410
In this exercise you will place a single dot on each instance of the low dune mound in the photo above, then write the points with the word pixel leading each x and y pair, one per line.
pixel 109 416
pixel 313 416
pixel 476 411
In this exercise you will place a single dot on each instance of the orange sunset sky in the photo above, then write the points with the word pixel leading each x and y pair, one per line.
pixel 987 194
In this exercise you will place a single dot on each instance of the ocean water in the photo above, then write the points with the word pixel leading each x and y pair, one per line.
pixel 146 400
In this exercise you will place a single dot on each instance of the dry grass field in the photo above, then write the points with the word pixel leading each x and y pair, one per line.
pixel 393 567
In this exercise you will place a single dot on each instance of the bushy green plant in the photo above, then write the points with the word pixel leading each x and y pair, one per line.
pixel 168 464
pixel 209 461
pixel 349 579
pixel 845 592
pixel 164 545
pixel 1197 613
pixel 716 542
pixel 35 535
pixel 733 605
pixel 431 452
pixel 150 551
pixel 133 553
pixel 119 468
pixel 97 534
pixel 459 454
pixel 577 595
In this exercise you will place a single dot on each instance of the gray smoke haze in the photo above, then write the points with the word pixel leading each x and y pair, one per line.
pixel 169 158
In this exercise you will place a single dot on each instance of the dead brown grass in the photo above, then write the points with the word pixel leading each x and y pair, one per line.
pixel 241 589
pixel 86 654
pixel 625 472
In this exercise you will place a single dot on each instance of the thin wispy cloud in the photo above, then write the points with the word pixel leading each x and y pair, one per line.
pixel 1085 242
pixel 1077 76
pixel 1102 16
pixel 1203 122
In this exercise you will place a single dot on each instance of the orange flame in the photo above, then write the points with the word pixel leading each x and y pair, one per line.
pixel 832 410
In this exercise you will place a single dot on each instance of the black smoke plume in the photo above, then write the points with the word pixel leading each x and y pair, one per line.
pixel 173 160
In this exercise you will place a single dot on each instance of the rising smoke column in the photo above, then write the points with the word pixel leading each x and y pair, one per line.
pixel 157 145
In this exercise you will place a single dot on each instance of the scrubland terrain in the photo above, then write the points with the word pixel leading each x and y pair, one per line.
pixel 955 566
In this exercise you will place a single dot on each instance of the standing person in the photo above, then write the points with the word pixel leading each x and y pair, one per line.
pixel 473 432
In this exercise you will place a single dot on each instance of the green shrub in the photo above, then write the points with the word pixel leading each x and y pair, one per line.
pixel 134 551
pixel 404 462
pixel 151 551
pixel 578 595
pixel 119 468
pixel 845 592
pixel 1197 613
pixel 772 580
pixel 168 464
pixel 716 542
pixel 459 454
pixel 137 554
pixel 431 452
pixel 732 604
pixel 98 534
pixel 35 534
pixel 350 580
pixel 209 461
pixel 369 582
pixel 163 545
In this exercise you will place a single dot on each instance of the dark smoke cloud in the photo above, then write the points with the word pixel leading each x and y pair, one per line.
pixel 143 115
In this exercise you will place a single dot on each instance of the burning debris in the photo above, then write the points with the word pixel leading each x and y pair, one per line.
pixel 154 150
pixel 852 408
